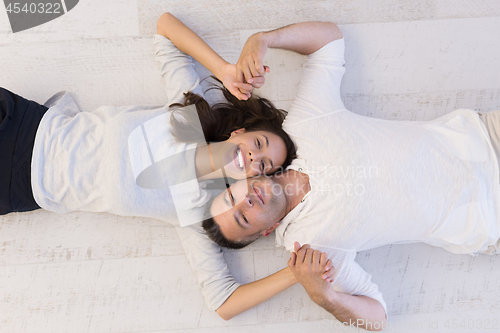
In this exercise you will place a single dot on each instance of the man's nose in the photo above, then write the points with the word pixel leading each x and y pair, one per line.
pixel 248 201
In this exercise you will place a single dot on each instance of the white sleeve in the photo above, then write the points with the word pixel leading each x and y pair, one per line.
pixel 351 279
pixel 319 87
pixel 207 261
pixel 177 69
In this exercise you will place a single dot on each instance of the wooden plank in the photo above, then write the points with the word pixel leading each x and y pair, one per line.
pixel 123 295
pixel 88 19
pixel 223 16
pixel 44 237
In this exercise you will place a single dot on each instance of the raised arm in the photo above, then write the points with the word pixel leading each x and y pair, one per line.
pixel 304 38
pixel 190 43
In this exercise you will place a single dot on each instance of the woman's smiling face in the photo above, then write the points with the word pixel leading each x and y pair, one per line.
pixel 254 153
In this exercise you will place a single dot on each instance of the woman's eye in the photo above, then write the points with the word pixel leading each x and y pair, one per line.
pixel 245 219
pixel 262 166
pixel 258 143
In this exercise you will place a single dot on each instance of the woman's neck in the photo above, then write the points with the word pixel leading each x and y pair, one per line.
pixel 207 162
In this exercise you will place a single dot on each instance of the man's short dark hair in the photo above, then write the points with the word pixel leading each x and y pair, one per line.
pixel 213 232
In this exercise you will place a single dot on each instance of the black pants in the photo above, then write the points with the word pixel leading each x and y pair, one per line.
pixel 19 120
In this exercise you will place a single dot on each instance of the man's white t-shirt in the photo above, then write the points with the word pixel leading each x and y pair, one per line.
pixel 376 182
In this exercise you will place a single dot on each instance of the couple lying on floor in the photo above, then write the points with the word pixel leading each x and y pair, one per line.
pixel 329 182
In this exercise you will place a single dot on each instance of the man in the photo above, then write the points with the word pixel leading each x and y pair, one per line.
pixel 360 182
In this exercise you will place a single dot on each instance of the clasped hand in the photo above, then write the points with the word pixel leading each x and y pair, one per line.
pixel 311 268
pixel 249 71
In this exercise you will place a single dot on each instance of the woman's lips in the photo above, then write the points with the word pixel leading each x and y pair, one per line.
pixel 237 158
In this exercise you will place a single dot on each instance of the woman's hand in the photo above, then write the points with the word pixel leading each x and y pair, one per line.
pixel 189 42
pixel 239 89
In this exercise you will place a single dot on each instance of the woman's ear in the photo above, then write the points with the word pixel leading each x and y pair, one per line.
pixel 238 131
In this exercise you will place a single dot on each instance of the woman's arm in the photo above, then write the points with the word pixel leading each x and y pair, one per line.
pixel 251 294
pixel 221 291
pixel 190 43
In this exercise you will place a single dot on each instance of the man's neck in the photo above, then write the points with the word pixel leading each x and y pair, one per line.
pixel 295 186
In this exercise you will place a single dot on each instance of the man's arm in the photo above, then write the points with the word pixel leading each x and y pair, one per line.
pixel 304 38
pixel 190 43
pixel 361 311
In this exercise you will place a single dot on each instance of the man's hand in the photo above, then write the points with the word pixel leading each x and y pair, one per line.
pixel 308 267
pixel 250 64
pixel 304 38
pixel 239 89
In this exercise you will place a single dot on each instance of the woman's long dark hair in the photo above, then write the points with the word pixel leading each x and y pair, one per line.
pixel 220 120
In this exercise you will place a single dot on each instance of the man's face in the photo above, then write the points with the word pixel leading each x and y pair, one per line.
pixel 249 207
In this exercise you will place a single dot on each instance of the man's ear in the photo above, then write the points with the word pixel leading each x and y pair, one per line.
pixel 267 232
pixel 238 131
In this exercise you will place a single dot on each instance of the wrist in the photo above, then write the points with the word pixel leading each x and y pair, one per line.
pixel 291 277
pixel 221 68
pixel 264 38
pixel 329 298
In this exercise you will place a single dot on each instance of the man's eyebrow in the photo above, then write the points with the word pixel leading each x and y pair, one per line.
pixel 229 195
pixel 231 204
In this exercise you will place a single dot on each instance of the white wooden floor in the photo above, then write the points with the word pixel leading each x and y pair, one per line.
pixel 99 273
